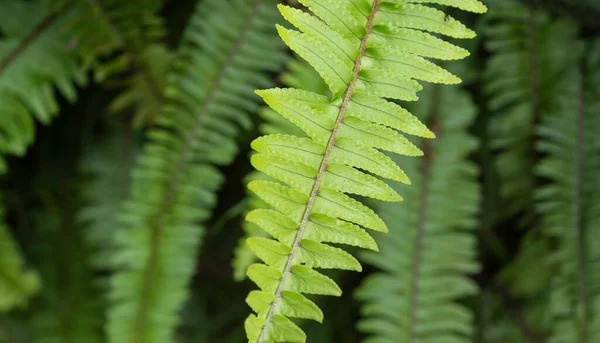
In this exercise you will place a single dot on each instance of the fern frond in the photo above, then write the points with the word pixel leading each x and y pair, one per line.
pixel 352 45
pixel 114 37
pixel 431 246
pixel 105 168
pixel 521 79
pixel 221 60
pixel 31 34
pixel 570 203
pixel 17 283
pixel 300 75
pixel 68 309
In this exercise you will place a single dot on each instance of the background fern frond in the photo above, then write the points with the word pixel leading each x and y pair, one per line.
pixel 570 203
pixel 521 79
pixel 69 309
pixel 220 61
pixel 352 45
pixel 122 37
pixel 431 247
pixel 30 33
pixel 105 172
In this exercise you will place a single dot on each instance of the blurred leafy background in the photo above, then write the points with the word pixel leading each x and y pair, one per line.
pixel 105 235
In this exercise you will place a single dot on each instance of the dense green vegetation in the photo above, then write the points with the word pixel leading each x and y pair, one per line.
pixel 169 167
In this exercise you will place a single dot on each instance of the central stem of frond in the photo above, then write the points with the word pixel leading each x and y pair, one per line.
pixel 323 167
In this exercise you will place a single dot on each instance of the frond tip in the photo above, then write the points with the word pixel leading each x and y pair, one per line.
pixel 352 45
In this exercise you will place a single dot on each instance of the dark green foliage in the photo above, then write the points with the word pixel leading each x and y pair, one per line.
pixel 210 91
pixel 431 246
pixel 570 203
pixel 115 37
pixel 522 77
pixel 125 138
pixel 29 34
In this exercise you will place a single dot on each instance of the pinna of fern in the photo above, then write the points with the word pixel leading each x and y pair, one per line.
pixel 569 204
pixel 520 78
pixel 220 62
pixel 425 259
pixel 360 48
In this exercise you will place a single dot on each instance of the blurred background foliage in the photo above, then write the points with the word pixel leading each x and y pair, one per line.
pixel 101 240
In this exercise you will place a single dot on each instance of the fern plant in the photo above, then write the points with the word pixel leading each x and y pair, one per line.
pixel 361 50
pixel 520 75
pixel 430 248
pixel 26 86
pixel 220 61
pixel 26 94
pixel 68 308
pixel 104 171
pixel 114 37
pixel 570 203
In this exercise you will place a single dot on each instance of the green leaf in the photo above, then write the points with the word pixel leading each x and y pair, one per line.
pixel 336 73
pixel 317 255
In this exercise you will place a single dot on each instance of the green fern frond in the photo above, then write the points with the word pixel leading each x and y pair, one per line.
pixel 431 246
pixel 114 37
pixel 570 203
pixel 105 169
pixel 69 309
pixel 17 283
pixel 221 60
pixel 521 78
pixel 30 34
pixel 354 46
pixel 299 75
